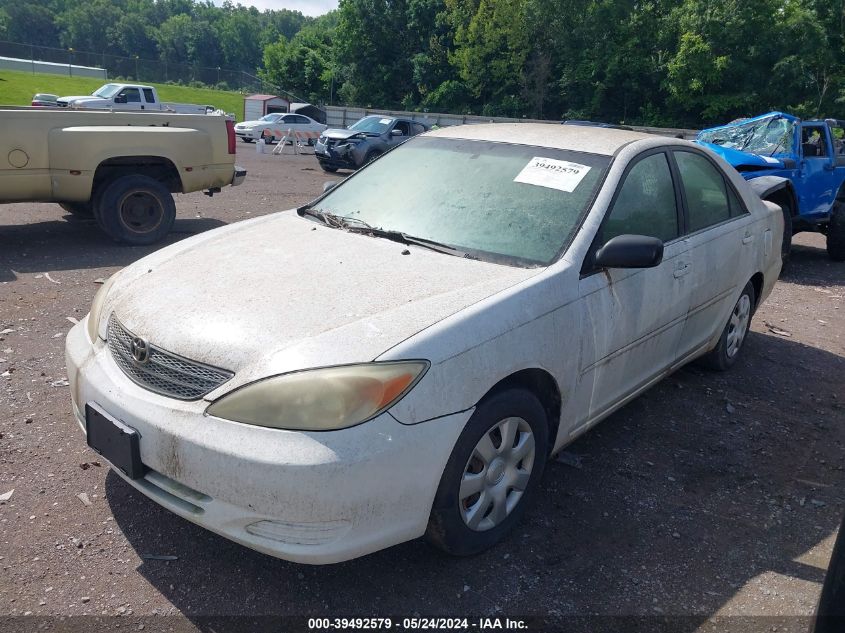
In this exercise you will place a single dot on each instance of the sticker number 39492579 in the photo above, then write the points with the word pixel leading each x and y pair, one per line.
pixel 551 173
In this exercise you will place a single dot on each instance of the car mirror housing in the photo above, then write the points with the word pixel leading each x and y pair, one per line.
pixel 396 133
pixel 630 251
pixel 120 99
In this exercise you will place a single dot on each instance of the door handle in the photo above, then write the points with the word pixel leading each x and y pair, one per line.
pixel 748 238
pixel 681 270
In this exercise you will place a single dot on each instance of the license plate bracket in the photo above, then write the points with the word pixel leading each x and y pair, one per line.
pixel 114 440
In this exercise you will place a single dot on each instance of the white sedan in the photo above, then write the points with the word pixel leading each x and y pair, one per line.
pixel 274 127
pixel 401 357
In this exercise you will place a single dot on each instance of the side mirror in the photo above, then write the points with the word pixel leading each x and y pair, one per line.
pixel 120 99
pixel 329 185
pixel 630 251
pixel 396 133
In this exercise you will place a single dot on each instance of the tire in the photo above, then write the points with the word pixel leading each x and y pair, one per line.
pixel 136 210
pixel 836 233
pixel 370 157
pixel 328 168
pixel 726 352
pixel 469 525
pixel 786 246
pixel 79 209
pixel 247 140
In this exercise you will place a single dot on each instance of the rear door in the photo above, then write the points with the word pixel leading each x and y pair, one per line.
pixel 723 240
pixel 633 318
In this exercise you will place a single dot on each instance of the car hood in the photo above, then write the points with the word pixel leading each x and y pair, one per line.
pixel 76 97
pixel 281 293
pixel 339 134
pixel 252 123
pixel 90 101
pixel 737 158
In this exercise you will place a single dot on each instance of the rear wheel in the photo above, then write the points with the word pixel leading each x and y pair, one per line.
pixel 726 352
pixel 492 474
pixel 836 233
pixel 136 210
pixel 80 209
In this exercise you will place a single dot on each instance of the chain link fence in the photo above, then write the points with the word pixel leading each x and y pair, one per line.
pixel 137 69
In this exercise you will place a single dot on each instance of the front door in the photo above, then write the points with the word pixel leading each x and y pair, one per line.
pixel 817 190
pixel 633 318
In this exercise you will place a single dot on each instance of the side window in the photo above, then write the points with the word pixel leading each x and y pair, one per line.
pixel 289 118
pixel 149 96
pixel 813 142
pixel 645 204
pixel 132 95
pixel 416 128
pixel 705 189
pixel 404 127
pixel 301 119
pixel 737 208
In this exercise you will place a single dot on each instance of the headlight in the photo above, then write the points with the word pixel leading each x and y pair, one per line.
pixel 321 399
pixel 97 308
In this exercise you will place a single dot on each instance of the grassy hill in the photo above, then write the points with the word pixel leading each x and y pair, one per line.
pixel 17 88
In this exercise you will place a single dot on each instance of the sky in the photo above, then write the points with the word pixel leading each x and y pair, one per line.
pixel 308 7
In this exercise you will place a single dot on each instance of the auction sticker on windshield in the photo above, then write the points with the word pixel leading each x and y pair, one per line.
pixel 551 173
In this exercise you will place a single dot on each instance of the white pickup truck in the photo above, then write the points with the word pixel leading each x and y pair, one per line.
pixel 129 97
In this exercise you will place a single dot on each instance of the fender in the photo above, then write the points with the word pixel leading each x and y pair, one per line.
pixel 765 186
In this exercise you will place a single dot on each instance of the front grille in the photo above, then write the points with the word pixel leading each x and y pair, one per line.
pixel 165 373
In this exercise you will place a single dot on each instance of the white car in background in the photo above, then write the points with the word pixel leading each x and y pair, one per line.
pixel 401 357
pixel 274 127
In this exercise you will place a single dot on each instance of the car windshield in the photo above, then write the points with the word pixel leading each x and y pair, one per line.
pixel 771 135
pixel 107 91
pixel 372 125
pixel 272 118
pixel 518 205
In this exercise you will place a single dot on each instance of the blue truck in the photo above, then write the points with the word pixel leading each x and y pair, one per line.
pixel 810 155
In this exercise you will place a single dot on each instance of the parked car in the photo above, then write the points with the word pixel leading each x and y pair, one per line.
pixel 129 97
pixel 809 154
pixel 44 100
pixel 274 127
pixel 448 318
pixel 830 612
pixel 363 141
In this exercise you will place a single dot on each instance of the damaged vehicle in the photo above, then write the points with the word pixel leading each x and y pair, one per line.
pixel 363 141
pixel 810 155
pixel 402 356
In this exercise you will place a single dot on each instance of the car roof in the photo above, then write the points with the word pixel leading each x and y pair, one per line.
pixel 580 138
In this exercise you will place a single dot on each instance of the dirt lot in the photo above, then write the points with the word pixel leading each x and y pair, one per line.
pixel 713 495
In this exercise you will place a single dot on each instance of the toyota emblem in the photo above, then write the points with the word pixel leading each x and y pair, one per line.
pixel 140 350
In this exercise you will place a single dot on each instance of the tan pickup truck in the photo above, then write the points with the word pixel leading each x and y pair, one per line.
pixel 120 167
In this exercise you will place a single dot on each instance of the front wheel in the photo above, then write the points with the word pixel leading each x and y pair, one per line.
pixel 836 233
pixel 726 352
pixel 136 210
pixel 492 474
pixel 328 168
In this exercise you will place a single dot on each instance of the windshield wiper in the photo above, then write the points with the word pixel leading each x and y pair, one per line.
pixel 329 219
pixel 404 238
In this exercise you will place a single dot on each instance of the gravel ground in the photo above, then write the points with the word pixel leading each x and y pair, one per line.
pixel 710 497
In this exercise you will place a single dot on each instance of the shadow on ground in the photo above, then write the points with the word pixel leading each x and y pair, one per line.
pixel 74 243
pixel 682 498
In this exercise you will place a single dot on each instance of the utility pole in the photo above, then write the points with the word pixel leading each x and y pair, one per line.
pixel 70 62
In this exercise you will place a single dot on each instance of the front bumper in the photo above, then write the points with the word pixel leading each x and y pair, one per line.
pixel 338 156
pixel 250 134
pixel 307 497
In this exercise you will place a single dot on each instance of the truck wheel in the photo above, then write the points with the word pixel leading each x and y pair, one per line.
pixel 836 233
pixel 136 210
pixel 79 209
pixel 786 246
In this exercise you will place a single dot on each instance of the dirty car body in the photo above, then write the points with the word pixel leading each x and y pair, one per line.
pixel 445 319
pixel 363 141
